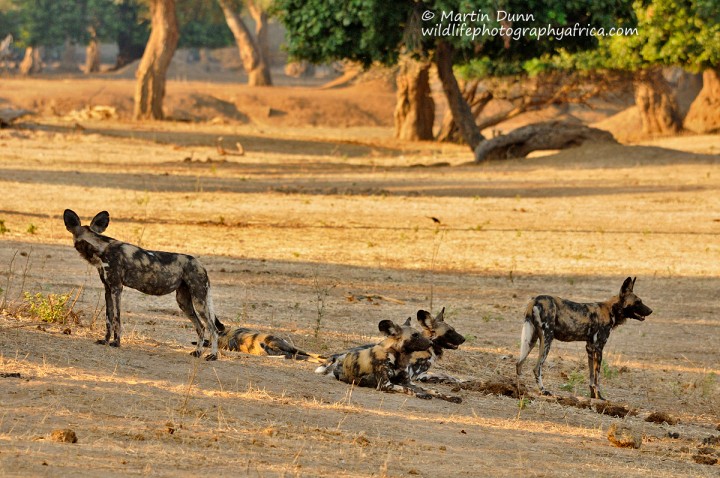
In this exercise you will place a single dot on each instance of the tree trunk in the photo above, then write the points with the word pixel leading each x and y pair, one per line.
pixel 257 71
pixel 449 131
pixel 704 114
pixel 656 103
pixel 32 62
pixel 69 62
pixel 152 72
pixel 415 108
pixel 92 54
pixel 458 106
pixel 260 17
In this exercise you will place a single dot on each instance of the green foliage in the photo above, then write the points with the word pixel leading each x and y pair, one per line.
pixel 3 229
pixel 678 32
pixel 683 33
pixel 50 308
pixel 32 229
pixel 608 371
pixel 360 30
pixel 51 22
pixel 371 30
pixel 202 24
pixel 574 380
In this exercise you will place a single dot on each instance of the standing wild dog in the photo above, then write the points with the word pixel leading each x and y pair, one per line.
pixel 151 272
pixel 241 339
pixel 549 318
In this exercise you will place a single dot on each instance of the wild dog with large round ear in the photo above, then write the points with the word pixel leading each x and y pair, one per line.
pixel 548 317
pixel 151 272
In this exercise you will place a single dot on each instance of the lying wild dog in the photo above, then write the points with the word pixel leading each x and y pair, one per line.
pixel 151 272
pixel 549 318
pixel 443 337
pixel 386 365
pixel 241 339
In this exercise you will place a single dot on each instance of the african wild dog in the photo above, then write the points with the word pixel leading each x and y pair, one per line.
pixel 443 337
pixel 385 366
pixel 241 339
pixel 549 318
pixel 151 272
pixel 378 365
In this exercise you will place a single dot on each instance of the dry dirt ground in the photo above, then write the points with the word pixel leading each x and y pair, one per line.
pixel 296 234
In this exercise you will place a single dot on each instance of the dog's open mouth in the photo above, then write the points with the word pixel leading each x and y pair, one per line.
pixel 638 317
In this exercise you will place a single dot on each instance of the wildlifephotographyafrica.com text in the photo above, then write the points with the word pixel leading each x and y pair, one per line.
pixel 479 24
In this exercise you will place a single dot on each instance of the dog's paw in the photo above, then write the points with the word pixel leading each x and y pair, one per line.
pixel 547 393
pixel 452 399
pixel 114 343
pixel 101 342
pixel 211 357
pixel 424 396
pixel 196 353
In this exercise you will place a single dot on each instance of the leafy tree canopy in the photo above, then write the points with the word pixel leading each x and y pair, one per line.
pixel 373 30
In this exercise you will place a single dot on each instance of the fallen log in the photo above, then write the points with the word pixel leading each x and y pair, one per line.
pixel 539 136
pixel 8 115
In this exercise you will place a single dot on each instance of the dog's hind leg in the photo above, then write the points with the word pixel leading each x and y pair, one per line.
pixel 546 339
pixel 184 300
pixel 202 302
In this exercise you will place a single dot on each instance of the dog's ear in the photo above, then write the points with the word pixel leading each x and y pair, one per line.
pixel 407 322
pixel 72 220
pixel 633 284
pixel 425 319
pixel 441 316
pixel 389 328
pixel 100 222
pixel 627 286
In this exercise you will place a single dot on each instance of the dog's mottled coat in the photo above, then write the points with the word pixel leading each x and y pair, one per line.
pixel 242 339
pixel 548 318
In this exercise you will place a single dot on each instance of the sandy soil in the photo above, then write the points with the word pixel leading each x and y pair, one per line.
pixel 292 233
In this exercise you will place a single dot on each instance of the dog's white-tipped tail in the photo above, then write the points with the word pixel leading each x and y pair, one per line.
pixel 525 340
pixel 527 335
pixel 321 369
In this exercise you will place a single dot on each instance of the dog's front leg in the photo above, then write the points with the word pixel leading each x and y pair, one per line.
pixel 109 308
pixel 594 361
pixel 434 393
pixel 116 294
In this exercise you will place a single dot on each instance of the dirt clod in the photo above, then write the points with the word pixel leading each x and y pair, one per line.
pixel 499 386
pixel 614 410
pixel 704 459
pixel 624 437
pixel 64 435
pixel 661 417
